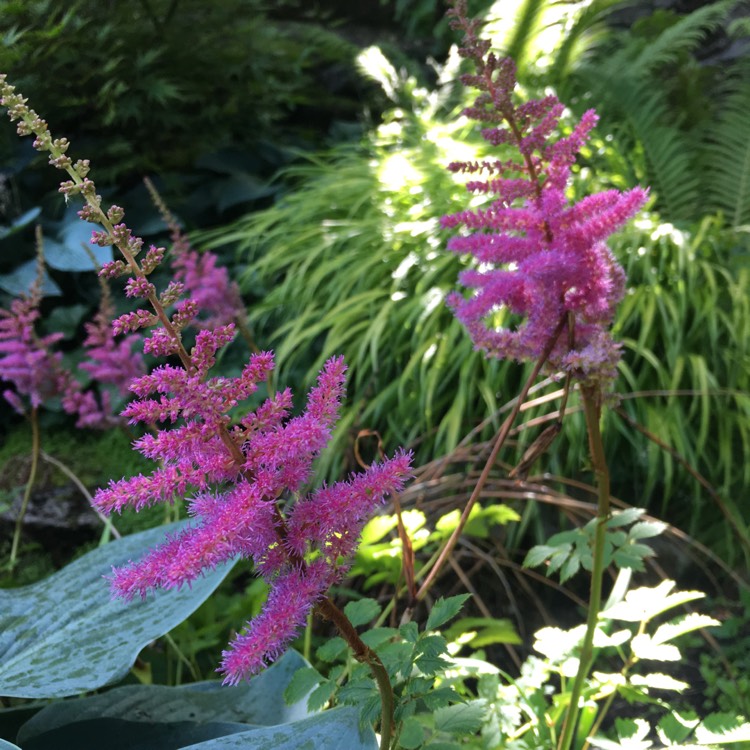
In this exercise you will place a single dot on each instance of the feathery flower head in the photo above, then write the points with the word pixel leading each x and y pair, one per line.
pixel 244 479
pixel 26 359
pixel 542 260
pixel 111 364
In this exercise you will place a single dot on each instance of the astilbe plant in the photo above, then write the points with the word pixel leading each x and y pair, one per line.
pixel 545 261
pixel 246 478
pixel 542 259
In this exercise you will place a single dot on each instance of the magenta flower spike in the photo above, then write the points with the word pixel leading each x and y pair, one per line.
pixel 300 547
pixel 243 480
pixel 541 259
pixel 28 361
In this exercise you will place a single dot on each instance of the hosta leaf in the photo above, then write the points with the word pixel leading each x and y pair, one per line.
pixel 126 735
pixel 66 635
pixel 260 701
pixel 337 729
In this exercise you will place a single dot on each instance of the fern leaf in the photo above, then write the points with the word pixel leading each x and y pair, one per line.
pixel 683 36
pixel 727 159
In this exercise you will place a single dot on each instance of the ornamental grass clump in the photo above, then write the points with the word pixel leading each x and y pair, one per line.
pixel 246 478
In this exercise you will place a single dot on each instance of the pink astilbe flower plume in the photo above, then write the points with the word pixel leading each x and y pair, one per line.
pixel 218 298
pixel 244 479
pixel 28 361
pixel 112 364
pixel 542 259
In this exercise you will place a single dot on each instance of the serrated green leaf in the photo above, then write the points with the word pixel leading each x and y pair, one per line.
pixel 65 635
pixel 624 517
pixel 331 649
pixel 486 631
pixel 538 555
pixel 444 610
pixel 411 735
pixel 658 681
pixel 374 637
pixel 718 729
pixel 460 719
pixel 570 568
pixel 362 611
pixel 675 727
pixel 646 529
pixel 693 621
pixel 644 647
pixel 321 695
pixel 409 632
pixel 302 683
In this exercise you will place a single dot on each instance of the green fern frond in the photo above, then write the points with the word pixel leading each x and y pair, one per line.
pixel 683 36
pixel 727 159
pixel 585 32
pixel 640 119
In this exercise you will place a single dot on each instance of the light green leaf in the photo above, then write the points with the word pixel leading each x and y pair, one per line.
pixel 644 647
pixel 658 681
pixel 302 684
pixel 331 649
pixel 478 632
pixel 624 517
pixel 675 727
pixel 537 555
pixel 646 529
pixel 641 605
pixel 693 621
pixel 722 728
pixel 66 635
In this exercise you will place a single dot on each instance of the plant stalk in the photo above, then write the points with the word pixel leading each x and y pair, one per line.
pixel 366 655
pixel 35 446
pixel 591 398
pixel 502 436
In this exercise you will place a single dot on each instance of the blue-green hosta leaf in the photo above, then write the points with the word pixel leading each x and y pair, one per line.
pixel 260 701
pixel 22 221
pixel 20 280
pixel 119 734
pixel 5 745
pixel 69 254
pixel 337 729
pixel 65 635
